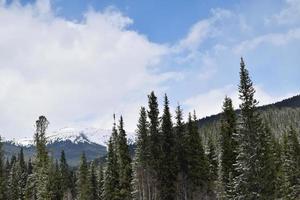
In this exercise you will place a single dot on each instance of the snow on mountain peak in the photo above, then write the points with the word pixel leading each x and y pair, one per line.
pixel 77 135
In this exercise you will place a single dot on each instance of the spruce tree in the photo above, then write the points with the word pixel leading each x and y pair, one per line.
pixel 93 182
pixel 198 166
pixel 124 160
pixel 65 176
pixel 83 182
pixel 111 177
pixel 252 144
pixel 291 166
pixel 228 146
pixel 155 146
pixel 167 171
pixel 100 181
pixel 213 165
pixel 22 175
pixel 181 152
pixel 42 160
pixel 141 170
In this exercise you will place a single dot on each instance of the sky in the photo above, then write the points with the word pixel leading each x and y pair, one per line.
pixel 79 61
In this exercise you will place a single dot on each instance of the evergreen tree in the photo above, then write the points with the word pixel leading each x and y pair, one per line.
pixel 54 186
pixel 155 146
pixel 100 182
pixel 253 144
pixel 65 176
pixel 124 160
pixel 213 165
pixel 167 166
pixel 22 175
pixel 198 166
pixel 111 179
pixel 42 160
pixel 141 170
pixel 93 182
pixel 83 182
pixel 291 167
pixel 228 146
pixel 180 149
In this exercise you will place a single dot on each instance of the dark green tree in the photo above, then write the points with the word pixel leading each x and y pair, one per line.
pixel 228 146
pixel 111 177
pixel 198 166
pixel 167 171
pixel 83 182
pixel 124 160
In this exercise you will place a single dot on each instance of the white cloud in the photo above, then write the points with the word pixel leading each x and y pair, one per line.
pixel 276 39
pixel 201 31
pixel 72 72
pixel 289 15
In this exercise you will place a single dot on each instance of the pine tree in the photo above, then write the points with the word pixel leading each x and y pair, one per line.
pixel 54 186
pixel 141 170
pixel 213 165
pixel 65 176
pixel 228 146
pixel 111 179
pixel 181 152
pixel 155 146
pixel 198 166
pixel 100 181
pixel 42 160
pixel 251 143
pixel 167 171
pixel 13 182
pixel 124 160
pixel 93 182
pixel 22 175
pixel 291 167
pixel 83 183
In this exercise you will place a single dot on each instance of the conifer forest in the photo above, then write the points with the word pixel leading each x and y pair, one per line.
pixel 249 154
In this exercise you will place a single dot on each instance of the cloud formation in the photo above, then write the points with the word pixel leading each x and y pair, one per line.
pixel 72 72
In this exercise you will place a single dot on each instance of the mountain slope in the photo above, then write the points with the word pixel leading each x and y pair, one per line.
pixel 73 141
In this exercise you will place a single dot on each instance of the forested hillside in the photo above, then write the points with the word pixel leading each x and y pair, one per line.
pixel 251 153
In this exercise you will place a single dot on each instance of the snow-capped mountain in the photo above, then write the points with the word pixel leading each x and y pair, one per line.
pixel 76 135
pixel 73 141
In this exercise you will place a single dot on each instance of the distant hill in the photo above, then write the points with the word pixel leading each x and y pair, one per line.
pixel 280 116
pixel 292 102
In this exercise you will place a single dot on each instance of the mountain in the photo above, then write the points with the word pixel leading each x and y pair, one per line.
pixel 72 140
pixel 279 116
pixel 292 102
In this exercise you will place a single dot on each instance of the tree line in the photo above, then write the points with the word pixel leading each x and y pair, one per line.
pixel 172 161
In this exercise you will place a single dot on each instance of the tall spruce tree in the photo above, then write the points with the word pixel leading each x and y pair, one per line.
pixel 181 152
pixel 111 176
pixel 198 166
pixel 155 146
pixel 124 160
pixel 253 145
pixel 228 146
pixel 141 170
pixel 168 163
pixel 22 175
pixel 42 160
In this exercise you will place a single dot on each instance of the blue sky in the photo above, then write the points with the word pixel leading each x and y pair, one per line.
pixel 79 61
